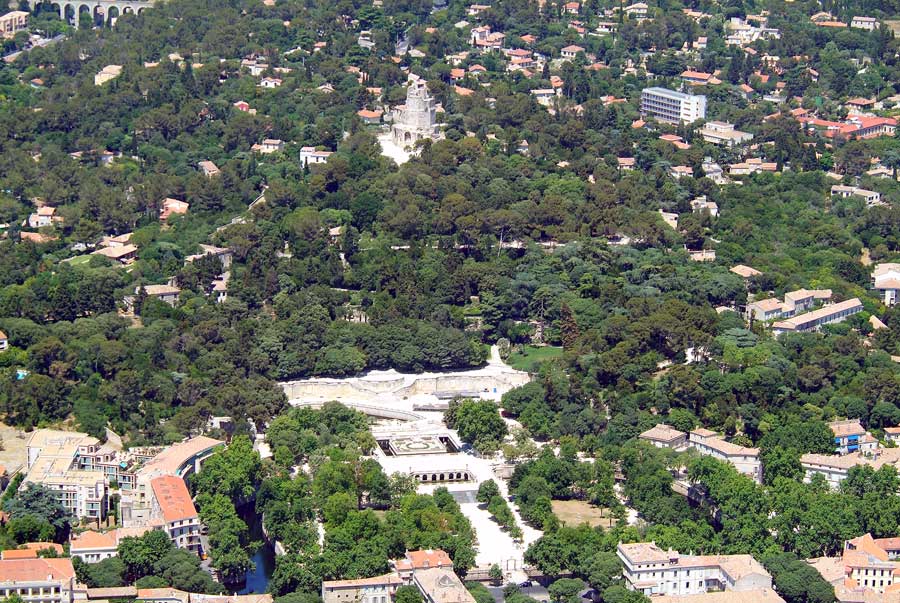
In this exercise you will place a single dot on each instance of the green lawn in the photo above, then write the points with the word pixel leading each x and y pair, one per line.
pixel 80 260
pixel 531 357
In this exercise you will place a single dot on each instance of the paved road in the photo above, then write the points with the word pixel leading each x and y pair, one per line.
pixel 536 592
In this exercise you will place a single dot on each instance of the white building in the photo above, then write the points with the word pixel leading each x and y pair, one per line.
pixel 811 321
pixel 744 459
pixel 172 502
pixel 886 280
pixel 723 133
pixel 39 580
pixel 802 300
pixel 867 23
pixel 672 107
pixel 93 547
pixel 44 216
pixel 849 436
pixel 702 204
pixel 653 571
pixel 871 198
pixel 664 436
pixel 310 155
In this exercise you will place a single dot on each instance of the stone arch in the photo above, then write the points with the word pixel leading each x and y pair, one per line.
pixel 56 8
pixel 112 14
pixel 140 10
pixel 98 14
pixel 434 477
pixel 127 10
pixel 69 11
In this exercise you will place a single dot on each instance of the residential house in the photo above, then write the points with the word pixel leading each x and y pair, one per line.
pixel 664 436
pixel 744 459
pixel 723 133
pixel 701 204
pixel 637 11
pixel 309 155
pixel 892 434
pixel 545 96
pixel 652 571
pixel 170 207
pixel 871 198
pixel 369 117
pixel 165 293
pixel 867 23
pixel 209 169
pixel 4 343
pixel 698 78
pixel 43 217
pixel 681 171
pixel 571 51
pixel 124 254
pixel 886 280
pixel 745 272
pixel 269 145
pixel 270 82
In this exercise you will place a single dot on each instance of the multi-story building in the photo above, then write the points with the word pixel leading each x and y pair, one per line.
pixel 93 547
pixel 664 436
pixel 12 23
pixel 765 309
pixel 172 502
pixel 39 580
pixel 802 300
pixel 380 589
pixel 850 436
pixel 811 321
pixel 431 571
pixel 835 468
pixel 744 459
pixel 672 107
pixel 653 571
pixel 867 570
pixel 886 280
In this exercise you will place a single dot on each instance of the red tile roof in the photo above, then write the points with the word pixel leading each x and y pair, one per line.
pixel 173 498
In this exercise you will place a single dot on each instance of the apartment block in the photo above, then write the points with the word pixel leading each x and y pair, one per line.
pixel 744 459
pixel 672 107
pixel 850 436
pixel 811 321
pixel 653 571
pixel 172 503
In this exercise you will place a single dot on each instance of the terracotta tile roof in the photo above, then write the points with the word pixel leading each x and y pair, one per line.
pixel 173 498
pixel 18 554
pixel 36 570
